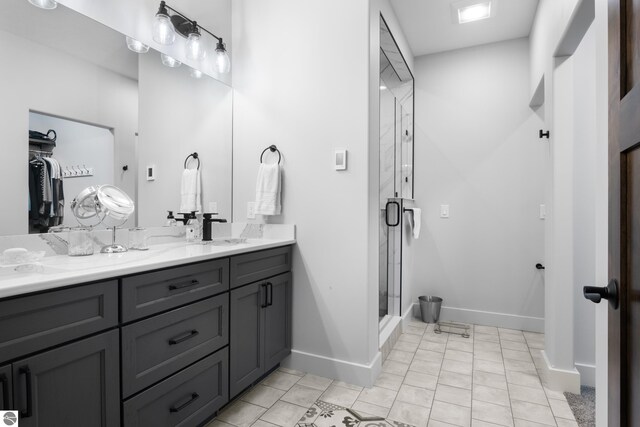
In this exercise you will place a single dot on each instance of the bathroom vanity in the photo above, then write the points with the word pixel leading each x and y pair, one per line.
pixel 163 339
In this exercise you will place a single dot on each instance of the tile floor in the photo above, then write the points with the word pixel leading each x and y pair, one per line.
pixel 428 380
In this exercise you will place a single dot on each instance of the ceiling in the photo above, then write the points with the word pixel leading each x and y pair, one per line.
pixel 429 27
pixel 71 33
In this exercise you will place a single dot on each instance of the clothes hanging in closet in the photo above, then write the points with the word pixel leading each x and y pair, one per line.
pixel 46 194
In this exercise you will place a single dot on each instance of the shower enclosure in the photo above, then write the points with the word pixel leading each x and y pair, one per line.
pixel 396 172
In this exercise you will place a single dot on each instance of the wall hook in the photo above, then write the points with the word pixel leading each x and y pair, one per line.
pixel 544 134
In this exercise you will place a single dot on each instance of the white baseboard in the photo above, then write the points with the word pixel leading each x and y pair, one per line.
pixel 352 373
pixel 488 318
pixel 408 316
pixel 587 374
pixel 560 379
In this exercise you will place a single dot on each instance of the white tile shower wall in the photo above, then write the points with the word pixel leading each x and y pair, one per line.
pixel 477 149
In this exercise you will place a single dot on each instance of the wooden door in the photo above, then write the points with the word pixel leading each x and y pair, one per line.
pixel 76 385
pixel 624 211
pixel 277 324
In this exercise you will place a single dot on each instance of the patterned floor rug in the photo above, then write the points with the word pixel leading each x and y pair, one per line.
pixel 324 414
pixel 583 406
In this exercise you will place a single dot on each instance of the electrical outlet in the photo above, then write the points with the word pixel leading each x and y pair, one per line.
pixel 251 210
pixel 444 211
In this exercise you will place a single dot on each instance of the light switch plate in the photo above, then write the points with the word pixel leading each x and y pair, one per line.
pixel 543 211
pixel 151 173
pixel 340 159
pixel 444 211
pixel 251 210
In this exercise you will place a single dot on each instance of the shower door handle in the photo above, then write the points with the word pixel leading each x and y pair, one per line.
pixel 386 214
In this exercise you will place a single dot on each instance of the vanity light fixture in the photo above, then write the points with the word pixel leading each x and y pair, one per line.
pixel 44 4
pixel 474 12
pixel 169 21
pixel 169 61
pixel 136 46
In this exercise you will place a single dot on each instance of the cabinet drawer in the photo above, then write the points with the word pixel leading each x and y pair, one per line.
pixel 259 265
pixel 186 399
pixel 151 293
pixel 32 323
pixel 154 348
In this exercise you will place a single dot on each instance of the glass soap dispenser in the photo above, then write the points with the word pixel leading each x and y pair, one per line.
pixel 171 221
pixel 193 228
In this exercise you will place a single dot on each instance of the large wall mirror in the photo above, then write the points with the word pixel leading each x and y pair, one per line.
pixel 114 113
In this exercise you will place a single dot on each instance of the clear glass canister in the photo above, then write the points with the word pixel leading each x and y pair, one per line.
pixel 80 241
pixel 138 238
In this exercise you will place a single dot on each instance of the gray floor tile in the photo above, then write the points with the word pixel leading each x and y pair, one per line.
pixel 519 365
pixel 491 356
pixel 291 371
pixel 487 337
pixel 400 356
pixel 406 346
pixel 433 346
pixel 261 423
pixel 460 345
pixel 419 379
pixel 432 356
pixel 490 330
pixel 456 380
pixel 566 423
pixel 218 423
pixel 523 378
pixel 525 423
pixel 478 423
pixel 390 381
pixel 302 395
pixel 347 385
pixel 492 413
pixel 532 412
pixel 369 409
pixel 408 413
pixel 488 366
pixel 378 396
pixel 426 367
pixel 241 414
pixel 490 380
pixel 498 396
pixel 415 395
pixel 487 346
pixel 262 395
pixel 340 396
pixel 455 395
pixel 281 380
pixel 458 367
pixel 561 409
pixel 524 356
pixel 435 423
pixel 284 414
pixel 395 368
pixel 458 355
pixel 452 414
pixel 527 394
pixel 314 381
pixel 411 338
pixel 414 330
pixel 514 345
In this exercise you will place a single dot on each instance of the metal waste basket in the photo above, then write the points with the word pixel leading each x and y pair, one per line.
pixel 430 308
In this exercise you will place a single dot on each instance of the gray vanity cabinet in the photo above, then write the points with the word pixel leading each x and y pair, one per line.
pixel 260 330
pixel 6 395
pixel 73 385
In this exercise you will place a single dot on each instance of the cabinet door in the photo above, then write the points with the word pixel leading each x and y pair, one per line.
pixel 6 396
pixel 246 352
pixel 277 338
pixel 76 385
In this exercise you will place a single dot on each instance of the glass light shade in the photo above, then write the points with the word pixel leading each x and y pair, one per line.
pixel 223 64
pixel 136 46
pixel 195 48
pixel 196 74
pixel 44 4
pixel 163 31
pixel 169 61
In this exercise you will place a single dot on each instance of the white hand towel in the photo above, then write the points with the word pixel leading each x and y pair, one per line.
pixel 268 190
pixel 417 220
pixel 190 191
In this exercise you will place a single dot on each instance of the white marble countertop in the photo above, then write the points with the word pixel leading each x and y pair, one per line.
pixel 61 270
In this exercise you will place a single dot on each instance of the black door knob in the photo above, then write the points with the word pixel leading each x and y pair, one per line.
pixel 609 292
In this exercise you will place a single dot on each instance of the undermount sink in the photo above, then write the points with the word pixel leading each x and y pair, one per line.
pixel 228 241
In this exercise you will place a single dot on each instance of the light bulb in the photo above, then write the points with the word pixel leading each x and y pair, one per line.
pixel 136 46
pixel 163 31
pixel 196 74
pixel 169 61
pixel 223 64
pixel 195 49
pixel 44 4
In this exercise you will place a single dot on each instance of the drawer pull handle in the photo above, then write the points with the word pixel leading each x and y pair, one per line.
pixel 270 289
pixel 194 397
pixel 182 338
pixel 265 303
pixel 189 284
pixel 27 374
pixel 6 405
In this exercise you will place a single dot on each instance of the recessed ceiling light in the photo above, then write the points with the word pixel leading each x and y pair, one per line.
pixel 474 12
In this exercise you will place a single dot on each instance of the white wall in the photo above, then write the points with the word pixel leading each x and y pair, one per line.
pixel 180 115
pixel 302 86
pixel 585 175
pixel 477 150
pixel 68 88
pixel 78 145
pixel 135 19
